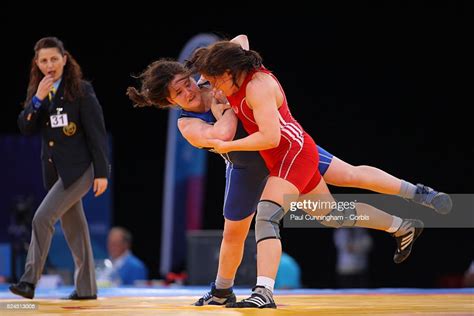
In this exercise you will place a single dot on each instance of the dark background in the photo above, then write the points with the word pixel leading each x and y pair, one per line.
pixel 385 85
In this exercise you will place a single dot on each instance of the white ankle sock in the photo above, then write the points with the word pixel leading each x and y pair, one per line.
pixel 396 222
pixel 266 282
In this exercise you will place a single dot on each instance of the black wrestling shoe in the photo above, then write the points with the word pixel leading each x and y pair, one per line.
pixel 405 236
pixel 217 297
pixel 261 298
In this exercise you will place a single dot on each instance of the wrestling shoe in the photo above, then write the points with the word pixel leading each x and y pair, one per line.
pixel 217 297
pixel 405 236
pixel 439 201
pixel 261 298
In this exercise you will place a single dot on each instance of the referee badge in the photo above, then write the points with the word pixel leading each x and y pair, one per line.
pixel 70 129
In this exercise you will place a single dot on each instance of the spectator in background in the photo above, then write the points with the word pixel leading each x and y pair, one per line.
pixel 353 247
pixel 289 273
pixel 126 267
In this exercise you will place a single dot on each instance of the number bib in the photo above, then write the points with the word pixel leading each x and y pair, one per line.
pixel 59 120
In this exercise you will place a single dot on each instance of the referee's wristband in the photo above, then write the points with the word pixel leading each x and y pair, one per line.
pixel 36 102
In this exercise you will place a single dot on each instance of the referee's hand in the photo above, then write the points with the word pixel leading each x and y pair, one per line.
pixel 100 185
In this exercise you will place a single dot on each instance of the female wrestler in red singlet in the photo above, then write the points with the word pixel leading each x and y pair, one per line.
pixel 290 155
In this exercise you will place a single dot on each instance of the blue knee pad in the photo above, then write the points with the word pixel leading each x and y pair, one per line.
pixel 267 222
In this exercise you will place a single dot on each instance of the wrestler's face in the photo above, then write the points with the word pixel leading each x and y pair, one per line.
pixel 223 83
pixel 185 92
